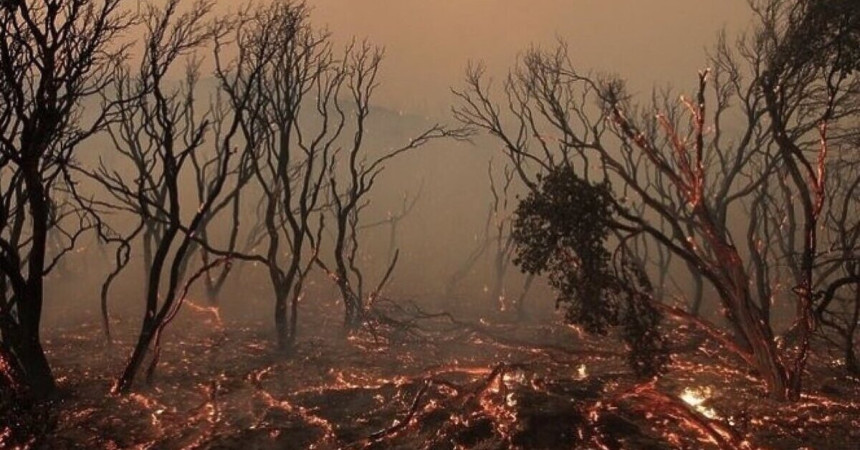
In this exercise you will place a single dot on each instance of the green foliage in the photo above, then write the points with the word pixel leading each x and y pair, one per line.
pixel 561 230
pixel 648 354
pixel 823 33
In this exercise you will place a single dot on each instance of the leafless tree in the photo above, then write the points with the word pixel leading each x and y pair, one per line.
pixel 810 80
pixel 502 242
pixel 393 219
pixel 669 285
pixel 291 78
pixel 838 269
pixel 360 170
pixel 54 56
pixel 495 241
pixel 502 238
pixel 305 101
pixel 162 134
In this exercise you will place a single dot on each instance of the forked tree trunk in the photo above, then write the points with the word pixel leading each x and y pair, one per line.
pixel 152 318
pixel 286 310
pixel 144 340
pixel 352 302
pixel 147 333
pixel 765 358
pixel 353 308
pixel 754 330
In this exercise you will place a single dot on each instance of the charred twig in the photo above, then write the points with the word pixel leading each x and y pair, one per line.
pixel 407 419
pixel 415 315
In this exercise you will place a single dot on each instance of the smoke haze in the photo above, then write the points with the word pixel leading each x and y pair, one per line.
pixel 428 43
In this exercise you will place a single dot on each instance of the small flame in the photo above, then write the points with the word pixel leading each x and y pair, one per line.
pixel 696 397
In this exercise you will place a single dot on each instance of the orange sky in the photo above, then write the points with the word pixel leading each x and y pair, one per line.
pixel 429 42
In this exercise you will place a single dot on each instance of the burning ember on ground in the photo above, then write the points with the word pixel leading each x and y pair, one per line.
pixel 203 205
pixel 478 385
pixel 696 397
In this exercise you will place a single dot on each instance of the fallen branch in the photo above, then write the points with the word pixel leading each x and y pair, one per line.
pixel 401 424
pixel 651 401
pixel 709 329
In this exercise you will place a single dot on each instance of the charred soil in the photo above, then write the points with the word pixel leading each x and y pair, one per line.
pixel 437 385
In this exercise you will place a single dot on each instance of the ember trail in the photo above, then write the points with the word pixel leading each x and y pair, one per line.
pixel 231 226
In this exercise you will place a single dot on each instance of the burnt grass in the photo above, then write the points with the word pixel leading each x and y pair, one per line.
pixel 485 384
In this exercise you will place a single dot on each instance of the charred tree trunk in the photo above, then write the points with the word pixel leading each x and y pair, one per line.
pixel 767 361
pixel 353 310
pixel 285 312
pixel 850 355
pixel 281 326
pixel 126 379
pixel 294 311
pixel 698 291
pixel 752 327
pixel 851 364
pixel 35 368
pixel 522 314
pixel 151 318
pixel 53 56
pixel 352 302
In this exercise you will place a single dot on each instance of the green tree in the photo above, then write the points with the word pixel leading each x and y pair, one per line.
pixel 562 229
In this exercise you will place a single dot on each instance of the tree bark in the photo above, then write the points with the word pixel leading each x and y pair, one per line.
pixel 282 328
pixel 38 377
pixel 125 381
pixel 36 370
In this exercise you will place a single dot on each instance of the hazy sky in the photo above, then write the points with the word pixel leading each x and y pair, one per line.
pixel 429 42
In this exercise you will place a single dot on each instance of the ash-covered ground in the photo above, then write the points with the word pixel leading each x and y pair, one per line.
pixel 420 381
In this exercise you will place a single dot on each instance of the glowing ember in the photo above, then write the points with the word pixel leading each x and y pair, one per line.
pixel 696 397
pixel 436 393
pixel 213 310
pixel 514 376
pixel 503 303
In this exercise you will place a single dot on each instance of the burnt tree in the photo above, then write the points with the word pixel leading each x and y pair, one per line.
pixel 54 56
pixel 815 57
pixel 352 177
pixel 162 135
pixel 290 81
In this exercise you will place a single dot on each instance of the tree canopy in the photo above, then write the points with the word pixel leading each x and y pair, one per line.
pixel 562 229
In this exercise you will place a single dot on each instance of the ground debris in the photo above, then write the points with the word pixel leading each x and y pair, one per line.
pixel 536 386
